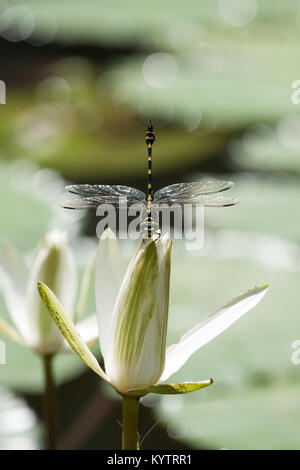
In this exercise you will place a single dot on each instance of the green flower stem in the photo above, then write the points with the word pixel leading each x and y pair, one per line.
pixel 50 403
pixel 130 437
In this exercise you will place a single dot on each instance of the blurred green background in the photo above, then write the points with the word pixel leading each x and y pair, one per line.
pixel 82 79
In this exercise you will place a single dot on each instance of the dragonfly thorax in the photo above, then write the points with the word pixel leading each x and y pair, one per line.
pixel 149 225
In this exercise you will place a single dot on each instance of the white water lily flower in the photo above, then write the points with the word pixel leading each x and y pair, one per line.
pixel 133 320
pixel 53 264
pixel 132 314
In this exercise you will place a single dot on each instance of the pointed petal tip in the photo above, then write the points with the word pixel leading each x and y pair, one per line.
pixel 54 238
pixel 108 233
pixel 204 383
pixel 265 286
pixel 261 288
pixel 165 237
pixel 41 287
pixel 146 244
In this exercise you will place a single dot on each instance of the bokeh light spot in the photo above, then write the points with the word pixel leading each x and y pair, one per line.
pixel 237 12
pixel 54 89
pixel 16 23
pixel 192 117
pixel 45 30
pixel 160 70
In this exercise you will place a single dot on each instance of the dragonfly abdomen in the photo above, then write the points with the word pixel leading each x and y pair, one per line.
pixel 150 137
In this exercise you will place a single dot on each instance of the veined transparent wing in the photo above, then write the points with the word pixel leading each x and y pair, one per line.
pixel 196 193
pixel 84 196
pixel 181 191
pixel 208 200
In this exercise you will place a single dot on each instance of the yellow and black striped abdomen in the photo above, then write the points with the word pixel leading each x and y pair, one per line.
pixel 149 141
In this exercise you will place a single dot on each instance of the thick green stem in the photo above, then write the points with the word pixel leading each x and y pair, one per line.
pixel 50 403
pixel 130 437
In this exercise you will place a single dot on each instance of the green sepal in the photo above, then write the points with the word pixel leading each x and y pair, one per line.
pixel 68 329
pixel 171 389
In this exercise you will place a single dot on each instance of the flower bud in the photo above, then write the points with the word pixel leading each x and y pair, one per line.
pixel 141 311
pixel 54 265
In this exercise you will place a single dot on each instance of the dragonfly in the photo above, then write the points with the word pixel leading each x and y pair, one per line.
pixel 199 193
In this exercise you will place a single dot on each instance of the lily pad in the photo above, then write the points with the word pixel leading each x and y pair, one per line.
pixel 174 84
pixel 268 206
pixel 264 148
pixel 111 24
pixel 254 419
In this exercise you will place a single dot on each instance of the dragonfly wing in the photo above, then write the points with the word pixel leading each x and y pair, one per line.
pixel 190 190
pixel 208 200
pixel 87 195
pixel 106 190
pixel 68 202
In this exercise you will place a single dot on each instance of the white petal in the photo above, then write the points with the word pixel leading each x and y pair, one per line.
pixel 178 354
pixel 8 330
pixel 109 274
pixel 85 290
pixel 88 329
pixel 13 282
